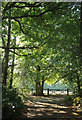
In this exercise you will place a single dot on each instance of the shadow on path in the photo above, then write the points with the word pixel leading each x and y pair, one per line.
pixel 53 107
pixel 48 108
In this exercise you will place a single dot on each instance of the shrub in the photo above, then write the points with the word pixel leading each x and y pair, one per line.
pixel 11 104
pixel 77 101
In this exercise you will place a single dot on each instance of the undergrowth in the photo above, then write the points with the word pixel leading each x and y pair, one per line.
pixel 11 103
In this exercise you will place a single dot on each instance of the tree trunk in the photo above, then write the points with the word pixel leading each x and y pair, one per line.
pixel 78 80
pixel 78 85
pixel 42 88
pixel 38 90
pixel 12 67
pixel 7 54
pixel 42 85
pixel 39 86
pixel 38 81
pixel 80 35
pixel 81 30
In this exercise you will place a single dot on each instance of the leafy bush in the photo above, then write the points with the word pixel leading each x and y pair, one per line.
pixel 11 104
pixel 77 101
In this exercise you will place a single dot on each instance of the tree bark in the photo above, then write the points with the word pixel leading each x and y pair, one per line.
pixel 12 67
pixel 7 54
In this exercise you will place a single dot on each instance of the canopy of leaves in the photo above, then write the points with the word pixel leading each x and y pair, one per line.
pixel 48 35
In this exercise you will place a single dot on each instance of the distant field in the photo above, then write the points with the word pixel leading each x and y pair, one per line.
pixel 56 92
pixel 61 92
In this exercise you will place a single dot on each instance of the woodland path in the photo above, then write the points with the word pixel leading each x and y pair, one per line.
pixel 50 108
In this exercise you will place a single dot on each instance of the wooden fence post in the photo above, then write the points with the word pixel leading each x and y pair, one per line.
pixel 67 91
pixel 48 91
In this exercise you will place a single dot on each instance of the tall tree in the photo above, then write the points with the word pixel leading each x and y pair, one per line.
pixel 81 28
pixel 12 66
pixel 7 51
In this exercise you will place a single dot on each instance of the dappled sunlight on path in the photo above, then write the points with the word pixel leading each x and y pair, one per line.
pixel 49 107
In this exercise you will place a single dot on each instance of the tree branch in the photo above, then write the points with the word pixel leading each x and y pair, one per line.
pixel 7 7
pixel 17 53
pixel 26 15
pixel 21 27
pixel 29 47
pixel 30 5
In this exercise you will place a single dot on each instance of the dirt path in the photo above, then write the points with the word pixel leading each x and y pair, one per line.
pixel 53 107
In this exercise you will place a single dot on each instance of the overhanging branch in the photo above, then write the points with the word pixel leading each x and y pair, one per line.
pixel 7 7
pixel 30 5
pixel 21 27
pixel 29 47
pixel 26 15
pixel 17 53
pixel 11 5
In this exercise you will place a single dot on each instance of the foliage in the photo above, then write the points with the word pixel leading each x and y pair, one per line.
pixel 77 101
pixel 12 103
pixel 49 34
